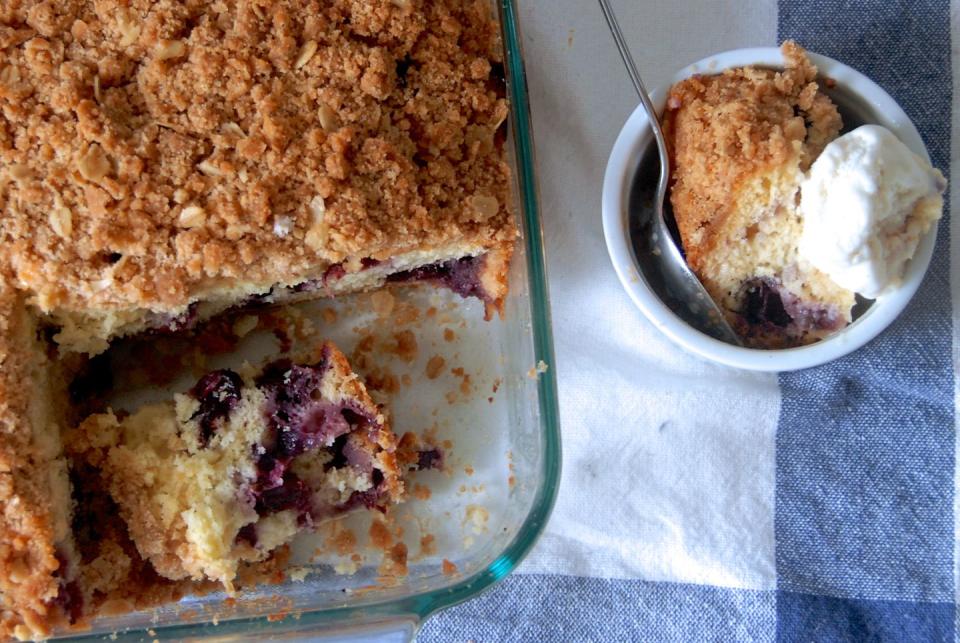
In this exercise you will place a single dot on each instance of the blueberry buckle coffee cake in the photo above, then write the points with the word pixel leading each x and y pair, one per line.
pixel 234 468
pixel 741 142
pixel 162 162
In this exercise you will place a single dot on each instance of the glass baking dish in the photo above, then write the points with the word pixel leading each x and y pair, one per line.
pixel 493 407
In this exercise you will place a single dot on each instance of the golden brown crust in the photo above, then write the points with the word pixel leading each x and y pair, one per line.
pixel 150 150
pixel 28 550
pixel 728 128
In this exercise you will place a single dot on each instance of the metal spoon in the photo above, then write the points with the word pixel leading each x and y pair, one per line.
pixel 700 309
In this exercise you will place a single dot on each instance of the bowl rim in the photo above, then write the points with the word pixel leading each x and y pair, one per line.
pixel 636 136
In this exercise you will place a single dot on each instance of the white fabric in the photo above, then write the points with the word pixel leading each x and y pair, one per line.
pixel 674 479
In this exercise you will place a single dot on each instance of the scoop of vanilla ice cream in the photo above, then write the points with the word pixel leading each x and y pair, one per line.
pixel 865 204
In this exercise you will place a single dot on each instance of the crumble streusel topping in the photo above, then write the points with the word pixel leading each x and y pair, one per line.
pixel 149 149
pixel 30 572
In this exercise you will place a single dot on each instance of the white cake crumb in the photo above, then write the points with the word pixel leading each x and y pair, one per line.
pixel 282 226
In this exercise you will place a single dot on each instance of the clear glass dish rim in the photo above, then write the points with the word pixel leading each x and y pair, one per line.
pixel 421 605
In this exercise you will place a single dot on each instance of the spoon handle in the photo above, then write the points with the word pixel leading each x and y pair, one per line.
pixel 644 98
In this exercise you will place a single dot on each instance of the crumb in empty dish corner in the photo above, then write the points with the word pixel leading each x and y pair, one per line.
pixel 329 315
pixel 466 386
pixel 435 366
pixel 394 562
pixel 404 345
pixel 380 536
pixel 343 541
pixel 536 371
pixel 365 345
pixel 383 302
pixel 428 545
pixel 298 574
pixel 348 567
pixel 476 517
pixel 421 491
pixel 406 314
pixel 382 380
pixel 448 568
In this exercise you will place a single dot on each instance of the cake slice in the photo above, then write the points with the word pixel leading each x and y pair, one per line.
pixel 229 471
pixel 741 142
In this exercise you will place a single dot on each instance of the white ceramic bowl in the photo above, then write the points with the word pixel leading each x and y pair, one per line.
pixel 871 104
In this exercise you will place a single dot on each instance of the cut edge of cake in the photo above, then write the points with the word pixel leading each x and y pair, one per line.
pixel 470 269
pixel 38 560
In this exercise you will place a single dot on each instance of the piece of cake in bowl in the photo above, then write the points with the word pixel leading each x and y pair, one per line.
pixel 741 142
pixel 224 474
pixel 784 220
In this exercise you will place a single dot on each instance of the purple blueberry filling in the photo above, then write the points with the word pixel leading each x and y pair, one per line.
pixel 256 300
pixel 69 597
pixel 307 286
pixel 299 418
pixel 370 498
pixel 70 600
pixel 248 534
pixel 462 276
pixel 768 305
pixel 218 392
pixel 334 272
pixel 300 421
pixel 292 493
pixel 430 459
pixel 762 303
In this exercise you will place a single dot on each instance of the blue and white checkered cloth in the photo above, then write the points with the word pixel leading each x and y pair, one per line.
pixel 809 506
